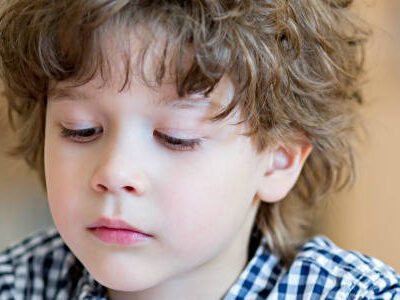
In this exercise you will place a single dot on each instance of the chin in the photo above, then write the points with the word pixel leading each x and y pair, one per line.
pixel 125 281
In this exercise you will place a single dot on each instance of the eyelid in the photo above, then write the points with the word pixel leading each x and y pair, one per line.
pixel 80 126
pixel 184 134
pixel 171 142
pixel 178 144
pixel 77 136
pixel 164 135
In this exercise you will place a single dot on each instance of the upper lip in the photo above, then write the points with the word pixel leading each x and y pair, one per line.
pixel 114 224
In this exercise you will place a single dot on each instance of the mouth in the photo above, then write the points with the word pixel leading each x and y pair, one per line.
pixel 113 231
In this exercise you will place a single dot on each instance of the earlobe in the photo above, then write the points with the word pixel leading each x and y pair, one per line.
pixel 282 172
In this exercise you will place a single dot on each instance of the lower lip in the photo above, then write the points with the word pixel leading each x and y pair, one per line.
pixel 119 236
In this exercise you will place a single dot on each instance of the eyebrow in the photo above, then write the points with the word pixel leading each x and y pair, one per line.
pixel 63 94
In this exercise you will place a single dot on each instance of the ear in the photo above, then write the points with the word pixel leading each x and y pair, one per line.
pixel 282 169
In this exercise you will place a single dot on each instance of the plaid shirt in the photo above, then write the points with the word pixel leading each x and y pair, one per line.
pixel 42 267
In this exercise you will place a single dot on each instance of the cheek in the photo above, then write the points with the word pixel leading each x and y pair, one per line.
pixel 63 182
pixel 206 205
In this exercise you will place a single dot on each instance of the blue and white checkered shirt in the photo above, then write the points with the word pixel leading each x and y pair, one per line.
pixel 43 267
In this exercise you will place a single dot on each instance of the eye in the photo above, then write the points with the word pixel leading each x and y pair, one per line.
pixel 89 134
pixel 177 144
pixel 81 135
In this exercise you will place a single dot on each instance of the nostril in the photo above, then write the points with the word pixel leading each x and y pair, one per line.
pixel 129 188
pixel 102 187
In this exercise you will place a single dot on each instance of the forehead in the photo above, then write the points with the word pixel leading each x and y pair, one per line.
pixel 164 96
pixel 124 58
pixel 217 100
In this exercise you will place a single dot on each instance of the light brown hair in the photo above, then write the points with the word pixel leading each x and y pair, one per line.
pixel 295 65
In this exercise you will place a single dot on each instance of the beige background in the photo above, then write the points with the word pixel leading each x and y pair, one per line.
pixel 366 218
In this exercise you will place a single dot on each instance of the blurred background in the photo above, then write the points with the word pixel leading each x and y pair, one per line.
pixel 365 218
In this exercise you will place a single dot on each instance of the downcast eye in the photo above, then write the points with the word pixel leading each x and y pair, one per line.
pixel 81 135
pixel 177 144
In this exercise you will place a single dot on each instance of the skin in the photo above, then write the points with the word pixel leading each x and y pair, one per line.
pixel 199 204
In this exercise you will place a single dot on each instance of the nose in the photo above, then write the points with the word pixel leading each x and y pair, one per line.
pixel 117 176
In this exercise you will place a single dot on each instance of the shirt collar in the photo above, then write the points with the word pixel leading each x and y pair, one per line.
pixel 259 276
pixel 89 288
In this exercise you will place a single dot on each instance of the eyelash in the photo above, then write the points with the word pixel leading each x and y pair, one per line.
pixel 173 143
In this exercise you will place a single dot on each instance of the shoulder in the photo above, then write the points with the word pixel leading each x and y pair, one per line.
pixel 327 270
pixel 39 265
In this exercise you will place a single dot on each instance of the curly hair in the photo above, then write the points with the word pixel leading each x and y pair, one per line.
pixel 296 67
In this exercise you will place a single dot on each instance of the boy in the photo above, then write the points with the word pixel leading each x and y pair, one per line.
pixel 183 146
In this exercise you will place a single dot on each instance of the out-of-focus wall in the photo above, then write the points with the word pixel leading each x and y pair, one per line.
pixel 23 207
pixel 366 219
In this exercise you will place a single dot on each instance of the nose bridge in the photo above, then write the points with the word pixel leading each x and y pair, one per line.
pixel 119 167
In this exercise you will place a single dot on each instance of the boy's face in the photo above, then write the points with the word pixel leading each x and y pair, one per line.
pixel 197 201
